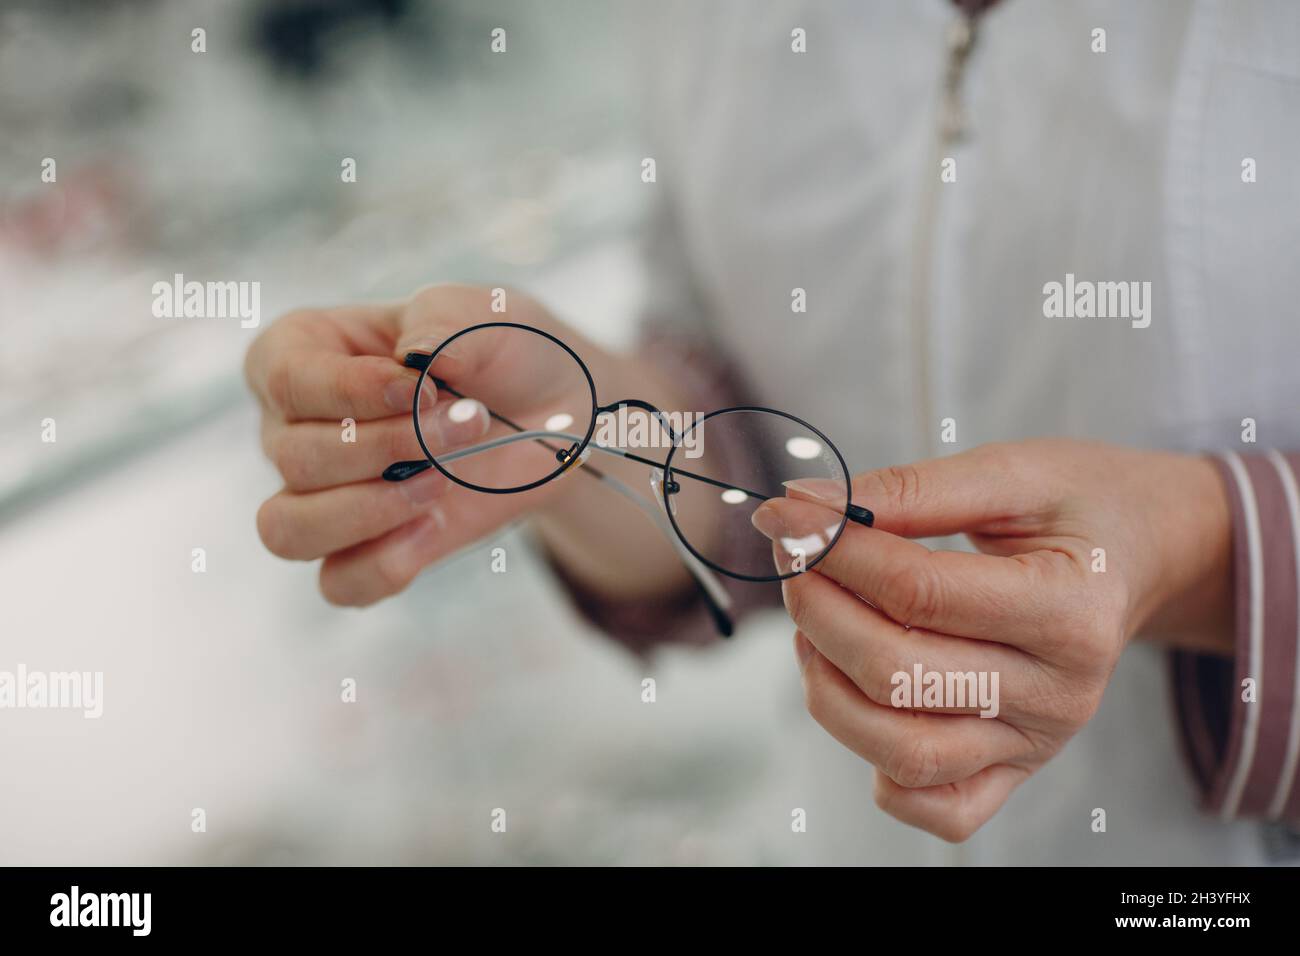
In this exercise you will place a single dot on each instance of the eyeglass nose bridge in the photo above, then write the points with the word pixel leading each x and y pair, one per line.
pixel 657 486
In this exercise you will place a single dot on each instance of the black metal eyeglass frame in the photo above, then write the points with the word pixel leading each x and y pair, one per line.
pixel 575 454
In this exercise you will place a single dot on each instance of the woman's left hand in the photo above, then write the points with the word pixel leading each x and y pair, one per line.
pixel 1083 546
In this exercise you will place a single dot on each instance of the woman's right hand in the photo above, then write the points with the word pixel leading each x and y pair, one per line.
pixel 314 368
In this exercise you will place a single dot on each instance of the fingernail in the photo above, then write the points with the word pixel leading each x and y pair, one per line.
pixel 798 531
pixel 803 649
pixel 465 409
pixel 399 394
pixel 818 489
pixel 766 519
pixel 460 422
pixel 423 488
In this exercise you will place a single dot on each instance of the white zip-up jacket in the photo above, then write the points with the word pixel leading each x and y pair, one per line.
pixel 926 198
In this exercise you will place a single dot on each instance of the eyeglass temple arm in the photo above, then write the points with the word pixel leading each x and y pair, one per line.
pixel 703 575
pixel 704 580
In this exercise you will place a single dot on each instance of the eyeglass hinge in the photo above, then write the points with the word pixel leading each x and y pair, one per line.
pixel 566 456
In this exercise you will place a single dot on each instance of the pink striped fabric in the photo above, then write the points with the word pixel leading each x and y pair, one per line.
pixel 1244 755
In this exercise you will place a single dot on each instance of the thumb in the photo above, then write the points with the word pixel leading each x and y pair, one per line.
pixel 987 490
pixel 436 313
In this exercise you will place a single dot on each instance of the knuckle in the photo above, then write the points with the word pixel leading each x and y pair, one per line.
pixel 814 690
pixel 903 484
pixel 911 593
pixel 279 384
pixel 874 676
pixel 1088 632
pixel 436 312
pixel 359 382
pixel 342 387
pixel 431 295
pixel 251 359
pixel 291 461
pixel 795 592
pixel 1004 458
pixel 997 451
pixel 914 762
pixel 333 591
pixel 958 826
pixel 273 528
pixel 391 575
pixel 338 591
pixel 270 435
pixel 272 349
pixel 422 298
pixel 1078 709
pixel 896 486
pixel 302 317
pixel 883 793
pixel 433 303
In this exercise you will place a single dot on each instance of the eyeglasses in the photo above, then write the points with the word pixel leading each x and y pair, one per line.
pixel 545 420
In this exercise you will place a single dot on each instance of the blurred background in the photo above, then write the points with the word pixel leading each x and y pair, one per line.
pixel 475 690
pixel 222 690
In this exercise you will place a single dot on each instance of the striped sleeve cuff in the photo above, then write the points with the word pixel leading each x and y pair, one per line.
pixel 1240 717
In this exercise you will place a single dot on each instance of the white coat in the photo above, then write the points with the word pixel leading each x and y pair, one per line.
pixel 823 171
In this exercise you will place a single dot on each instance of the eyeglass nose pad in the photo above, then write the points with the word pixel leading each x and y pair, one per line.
pixel 656 484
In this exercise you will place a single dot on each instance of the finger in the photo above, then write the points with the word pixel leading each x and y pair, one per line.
pixel 873 651
pixel 330 364
pixel 382 567
pixel 913 749
pixel 952 811
pixel 333 387
pixel 303 527
pixel 1014 600
pixel 434 314
pixel 344 330
pixel 314 455
pixel 992 488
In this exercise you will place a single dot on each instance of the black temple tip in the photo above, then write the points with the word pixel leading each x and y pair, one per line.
pixel 401 470
pixel 418 360
pixel 862 516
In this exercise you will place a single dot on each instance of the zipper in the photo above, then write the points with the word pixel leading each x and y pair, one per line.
pixel 961 40
pixel 952 129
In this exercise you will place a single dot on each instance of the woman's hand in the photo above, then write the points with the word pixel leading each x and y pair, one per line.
pixel 1084 545
pixel 315 368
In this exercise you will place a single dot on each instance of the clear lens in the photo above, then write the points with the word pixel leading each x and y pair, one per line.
pixel 529 383
pixel 727 465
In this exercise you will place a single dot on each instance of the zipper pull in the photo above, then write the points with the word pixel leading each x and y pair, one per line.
pixel 961 40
